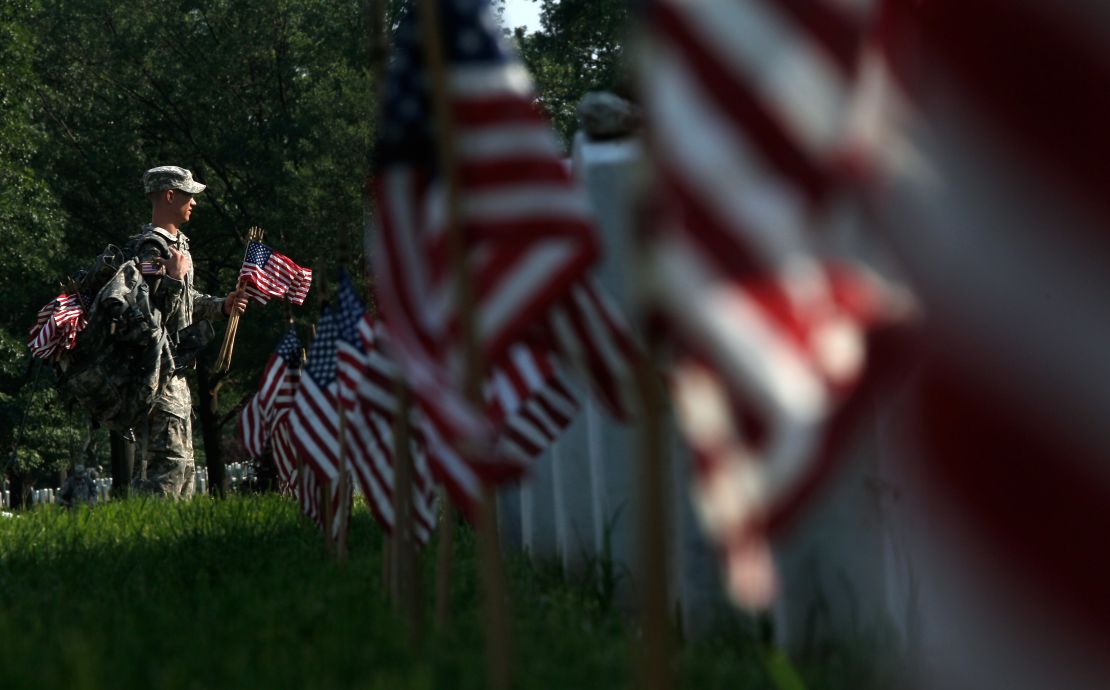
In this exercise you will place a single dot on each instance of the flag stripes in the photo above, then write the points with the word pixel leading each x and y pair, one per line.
pixel 263 420
pixel 529 234
pixel 314 420
pixel 56 326
pixel 749 107
pixel 252 428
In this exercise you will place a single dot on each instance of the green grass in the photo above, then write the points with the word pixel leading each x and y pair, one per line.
pixel 241 594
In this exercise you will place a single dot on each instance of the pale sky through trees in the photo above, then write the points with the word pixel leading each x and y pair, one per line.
pixel 522 13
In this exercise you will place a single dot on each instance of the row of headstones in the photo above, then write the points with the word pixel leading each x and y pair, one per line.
pixel 580 503
pixel 237 472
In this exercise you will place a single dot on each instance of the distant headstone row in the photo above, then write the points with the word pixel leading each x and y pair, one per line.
pixel 237 472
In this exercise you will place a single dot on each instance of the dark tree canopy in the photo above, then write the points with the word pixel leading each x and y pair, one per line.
pixel 270 103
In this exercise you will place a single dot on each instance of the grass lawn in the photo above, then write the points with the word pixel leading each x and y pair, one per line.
pixel 241 594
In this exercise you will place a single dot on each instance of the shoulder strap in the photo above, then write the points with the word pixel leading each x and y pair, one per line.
pixel 136 242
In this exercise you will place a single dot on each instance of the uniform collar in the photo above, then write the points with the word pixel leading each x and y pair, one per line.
pixel 166 235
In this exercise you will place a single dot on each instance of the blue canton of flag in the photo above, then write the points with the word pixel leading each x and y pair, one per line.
pixel 279 378
pixel 472 36
pixel 321 354
pixel 258 254
pixel 289 348
pixel 350 310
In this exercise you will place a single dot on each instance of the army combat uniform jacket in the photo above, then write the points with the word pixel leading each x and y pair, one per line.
pixel 166 441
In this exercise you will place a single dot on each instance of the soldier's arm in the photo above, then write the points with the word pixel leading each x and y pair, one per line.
pixel 208 307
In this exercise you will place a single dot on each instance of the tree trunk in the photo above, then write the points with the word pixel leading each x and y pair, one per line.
pixel 208 410
pixel 123 464
pixel 20 491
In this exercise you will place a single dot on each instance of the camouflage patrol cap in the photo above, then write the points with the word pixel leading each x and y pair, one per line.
pixel 170 177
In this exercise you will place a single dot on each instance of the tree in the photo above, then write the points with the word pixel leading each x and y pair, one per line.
pixel 579 49
pixel 31 223
pixel 270 103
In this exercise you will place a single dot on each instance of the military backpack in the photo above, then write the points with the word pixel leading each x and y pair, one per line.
pixel 123 355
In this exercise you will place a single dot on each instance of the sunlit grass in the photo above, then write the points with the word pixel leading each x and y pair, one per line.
pixel 241 594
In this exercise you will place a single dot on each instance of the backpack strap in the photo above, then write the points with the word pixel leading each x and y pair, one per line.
pixel 137 245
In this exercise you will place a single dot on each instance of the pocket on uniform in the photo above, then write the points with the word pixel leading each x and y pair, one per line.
pixel 175 398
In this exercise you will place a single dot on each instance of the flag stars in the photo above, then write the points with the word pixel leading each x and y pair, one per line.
pixel 350 309
pixel 469 42
pixel 321 357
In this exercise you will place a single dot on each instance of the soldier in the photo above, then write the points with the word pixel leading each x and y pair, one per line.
pixel 166 439
pixel 79 487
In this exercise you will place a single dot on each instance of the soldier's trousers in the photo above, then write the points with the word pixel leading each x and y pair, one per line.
pixel 166 444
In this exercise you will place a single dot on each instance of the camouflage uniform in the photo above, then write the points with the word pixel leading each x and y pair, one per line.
pixel 166 439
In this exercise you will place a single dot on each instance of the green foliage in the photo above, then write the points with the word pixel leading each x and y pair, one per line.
pixel 269 103
pixel 580 49
pixel 30 233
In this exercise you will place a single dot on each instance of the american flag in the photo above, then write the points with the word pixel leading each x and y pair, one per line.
pixel 526 224
pixel 586 332
pixel 314 417
pixel 285 453
pixel 267 273
pixel 529 240
pixel 998 206
pixel 267 409
pixel 748 106
pixel 308 495
pixel 280 376
pixel 253 428
pixel 528 401
pixel 366 389
pixel 56 326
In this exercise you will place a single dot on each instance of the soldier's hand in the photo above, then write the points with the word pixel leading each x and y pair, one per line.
pixel 235 302
pixel 178 265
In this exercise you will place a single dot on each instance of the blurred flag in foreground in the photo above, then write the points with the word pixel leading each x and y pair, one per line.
pixel 995 196
pixel 527 240
pixel 749 106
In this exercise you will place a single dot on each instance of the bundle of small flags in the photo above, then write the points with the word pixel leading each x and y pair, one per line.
pixel 57 325
pixel 267 273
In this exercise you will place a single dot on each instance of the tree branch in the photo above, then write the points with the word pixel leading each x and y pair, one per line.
pixel 234 411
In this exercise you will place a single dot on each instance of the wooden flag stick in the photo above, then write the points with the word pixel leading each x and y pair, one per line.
pixel 377 42
pixel 654 664
pixel 324 492
pixel 498 648
pixel 406 573
pixel 433 51
pixel 344 483
pixel 445 552
pixel 223 361
pixel 344 246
